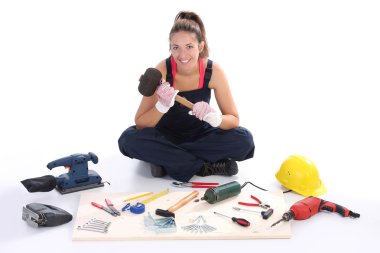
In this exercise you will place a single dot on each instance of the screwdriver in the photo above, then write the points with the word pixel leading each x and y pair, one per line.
pixel 265 214
pixel 242 222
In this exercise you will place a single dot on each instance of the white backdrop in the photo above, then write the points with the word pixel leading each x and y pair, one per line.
pixel 303 74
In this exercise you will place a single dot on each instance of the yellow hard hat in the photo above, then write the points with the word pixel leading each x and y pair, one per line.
pixel 300 174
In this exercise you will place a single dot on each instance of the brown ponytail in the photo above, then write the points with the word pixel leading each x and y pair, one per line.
pixel 190 22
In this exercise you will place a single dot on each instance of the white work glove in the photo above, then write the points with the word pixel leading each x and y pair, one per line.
pixel 203 111
pixel 166 96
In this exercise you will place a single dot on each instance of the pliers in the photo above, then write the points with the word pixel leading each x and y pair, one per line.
pixel 195 184
pixel 111 209
pixel 259 203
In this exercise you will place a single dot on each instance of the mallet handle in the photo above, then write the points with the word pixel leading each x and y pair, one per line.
pixel 184 102
pixel 183 201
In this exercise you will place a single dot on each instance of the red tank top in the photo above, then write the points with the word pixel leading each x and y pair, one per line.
pixel 201 71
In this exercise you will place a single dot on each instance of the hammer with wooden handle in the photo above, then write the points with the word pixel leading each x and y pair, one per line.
pixel 179 204
pixel 151 80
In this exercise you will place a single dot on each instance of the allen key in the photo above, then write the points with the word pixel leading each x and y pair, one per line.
pixel 95 225
pixel 92 229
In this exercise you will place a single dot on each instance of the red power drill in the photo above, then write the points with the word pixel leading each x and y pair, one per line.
pixel 309 206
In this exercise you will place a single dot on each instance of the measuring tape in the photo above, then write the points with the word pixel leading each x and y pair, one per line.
pixel 136 209
pixel 140 206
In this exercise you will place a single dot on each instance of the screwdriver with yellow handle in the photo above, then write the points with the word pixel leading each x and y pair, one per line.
pixel 242 222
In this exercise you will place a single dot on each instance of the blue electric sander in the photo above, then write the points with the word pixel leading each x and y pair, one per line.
pixel 78 178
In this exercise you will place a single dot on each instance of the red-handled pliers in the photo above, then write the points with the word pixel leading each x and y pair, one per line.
pixel 259 203
pixel 195 184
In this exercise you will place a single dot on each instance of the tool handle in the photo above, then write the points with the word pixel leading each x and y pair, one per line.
pixel 108 202
pixel 97 205
pixel 242 222
pixel 266 214
pixel 203 186
pixel 332 207
pixel 184 102
pixel 253 197
pixel 247 204
pixel 103 208
pixel 183 201
pixel 204 183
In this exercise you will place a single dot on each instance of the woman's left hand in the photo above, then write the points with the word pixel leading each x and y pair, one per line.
pixel 204 111
pixel 201 109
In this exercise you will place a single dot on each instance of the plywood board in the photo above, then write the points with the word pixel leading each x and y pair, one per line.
pixel 131 226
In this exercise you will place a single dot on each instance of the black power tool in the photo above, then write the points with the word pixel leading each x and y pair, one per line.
pixel 42 215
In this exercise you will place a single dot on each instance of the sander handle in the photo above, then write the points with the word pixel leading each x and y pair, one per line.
pixel 183 201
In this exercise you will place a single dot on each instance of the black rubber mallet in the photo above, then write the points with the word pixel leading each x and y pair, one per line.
pixel 179 204
pixel 151 80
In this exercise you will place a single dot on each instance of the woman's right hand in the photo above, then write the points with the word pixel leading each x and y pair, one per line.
pixel 166 96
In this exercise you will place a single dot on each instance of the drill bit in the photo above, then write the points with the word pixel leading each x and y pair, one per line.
pixel 274 224
pixel 285 217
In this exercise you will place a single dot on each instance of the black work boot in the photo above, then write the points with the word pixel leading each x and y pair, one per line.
pixel 224 168
pixel 157 171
